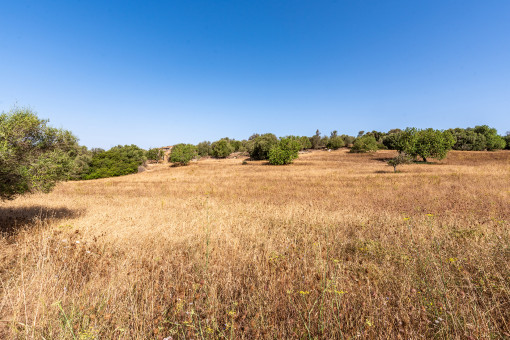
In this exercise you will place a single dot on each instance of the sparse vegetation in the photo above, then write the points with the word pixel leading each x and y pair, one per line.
pixel 333 247
pixel 400 159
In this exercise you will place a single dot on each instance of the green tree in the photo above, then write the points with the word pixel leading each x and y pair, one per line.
pixel 316 140
pixel 432 143
pixel 493 140
pixel 507 139
pixel 81 163
pixel 335 141
pixel 365 143
pixel 204 149
pixel 33 155
pixel 284 152
pixel 183 153
pixel 468 140
pixel 222 148
pixel 118 161
pixel 401 159
pixel 154 154
pixel 259 146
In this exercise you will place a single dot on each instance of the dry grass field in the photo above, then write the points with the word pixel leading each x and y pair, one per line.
pixel 335 246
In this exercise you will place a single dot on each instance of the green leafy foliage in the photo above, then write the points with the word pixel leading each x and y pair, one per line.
pixel 259 146
pixel 401 158
pixel 204 149
pixel 479 138
pixel 432 143
pixel 33 156
pixel 427 143
pixel 317 141
pixel 507 140
pixel 154 154
pixel 81 163
pixel 335 142
pixel 365 143
pixel 118 161
pixel 182 154
pixel 222 148
pixel 493 140
pixel 304 141
pixel 284 152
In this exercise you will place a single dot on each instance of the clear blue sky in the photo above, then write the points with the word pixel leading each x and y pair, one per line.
pixel 156 73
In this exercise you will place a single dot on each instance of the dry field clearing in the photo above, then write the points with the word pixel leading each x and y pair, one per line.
pixel 333 246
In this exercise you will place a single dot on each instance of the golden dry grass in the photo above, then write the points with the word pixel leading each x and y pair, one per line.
pixel 333 246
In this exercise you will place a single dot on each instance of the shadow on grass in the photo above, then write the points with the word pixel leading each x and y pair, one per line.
pixel 14 219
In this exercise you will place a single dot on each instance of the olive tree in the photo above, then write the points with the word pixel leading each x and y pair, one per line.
pixel 33 155
pixel 182 154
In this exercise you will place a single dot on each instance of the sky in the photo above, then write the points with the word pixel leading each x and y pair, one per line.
pixel 155 73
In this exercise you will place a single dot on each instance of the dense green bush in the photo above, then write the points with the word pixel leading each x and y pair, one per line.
pixel 316 140
pixel 204 149
pixel 82 161
pixel 477 139
pixel 492 139
pixel 468 140
pixel 221 148
pixel 182 154
pixel 507 140
pixel 154 154
pixel 366 143
pixel 427 143
pixel 33 156
pixel 118 161
pixel 284 152
pixel 259 146
pixel 348 140
pixel 304 141
pixel 432 143
pixel 335 142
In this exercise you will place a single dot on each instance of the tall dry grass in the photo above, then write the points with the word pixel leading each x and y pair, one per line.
pixel 333 246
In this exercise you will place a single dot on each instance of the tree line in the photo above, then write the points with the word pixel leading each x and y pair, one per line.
pixel 34 156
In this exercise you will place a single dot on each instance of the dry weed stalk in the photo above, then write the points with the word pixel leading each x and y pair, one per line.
pixel 333 246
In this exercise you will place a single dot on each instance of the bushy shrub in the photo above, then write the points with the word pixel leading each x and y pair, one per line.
pixel 154 154
pixel 507 140
pixel 348 140
pixel 365 143
pixel 335 142
pixel 118 161
pixel 284 152
pixel 401 158
pixel 259 146
pixel 427 143
pixel 432 143
pixel 316 140
pixel 82 161
pixel 182 154
pixel 222 149
pixel 493 140
pixel 479 138
pixel 204 149
pixel 304 141
pixel 468 140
